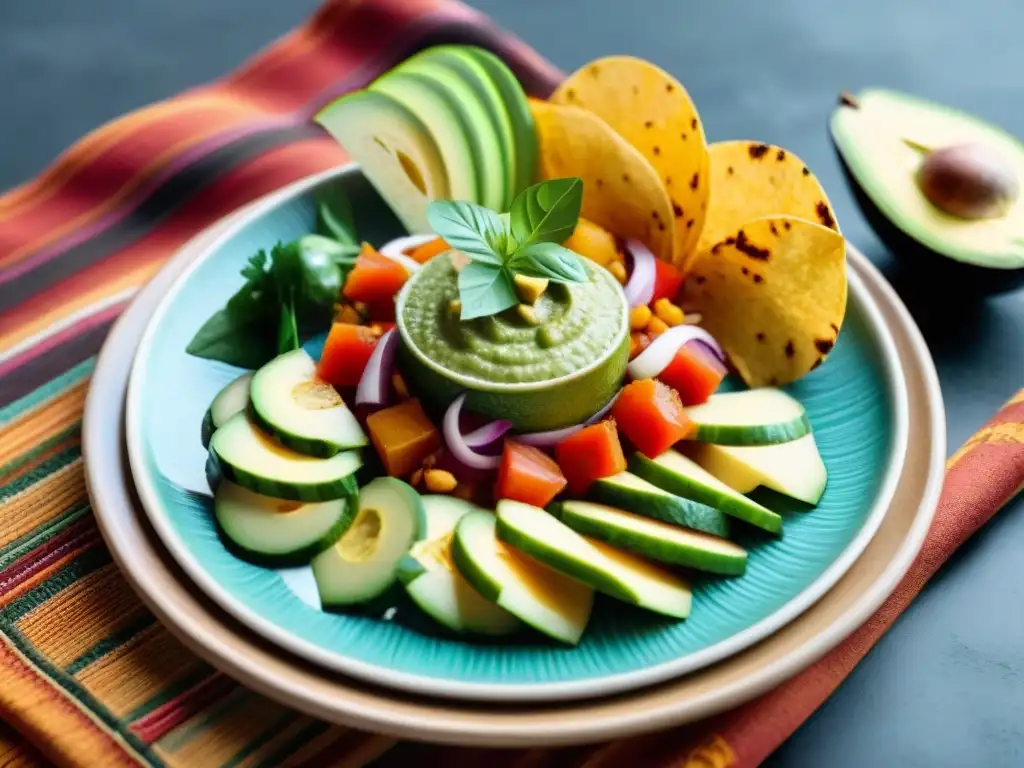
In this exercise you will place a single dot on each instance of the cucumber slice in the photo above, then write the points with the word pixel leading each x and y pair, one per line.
pixel 275 532
pixel 794 469
pixel 653 538
pixel 544 599
pixel 305 413
pixel 229 401
pixel 755 417
pixel 363 564
pixel 433 583
pixel 241 453
pixel 627 491
pixel 542 536
pixel 675 473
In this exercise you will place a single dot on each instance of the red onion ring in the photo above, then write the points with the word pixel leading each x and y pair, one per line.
pixel 457 443
pixel 640 286
pixel 554 436
pixel 487 435
pixel 659 354
pixel 374 386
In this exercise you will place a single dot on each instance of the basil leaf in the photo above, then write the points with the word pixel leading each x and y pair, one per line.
pixel 549 260
pixel 547 212
pixel 235 339
pixel 468 228
pixel 485 290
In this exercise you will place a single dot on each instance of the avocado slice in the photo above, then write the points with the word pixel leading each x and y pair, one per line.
pixel 760 416
pixel 618 574
pixel 551 603
pixel 496 143
pixel 397 153
pixel 305 413
pixel 627 491
pixel 363 564
pixel 652 538
pixel 433 583
pixel 678 474
pixel 882 138
pixel 794 469
pixel 229 401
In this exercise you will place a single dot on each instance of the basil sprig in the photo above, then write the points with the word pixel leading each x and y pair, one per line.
pixel 526 242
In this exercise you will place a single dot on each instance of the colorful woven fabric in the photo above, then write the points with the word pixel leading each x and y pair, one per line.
pixel 86 674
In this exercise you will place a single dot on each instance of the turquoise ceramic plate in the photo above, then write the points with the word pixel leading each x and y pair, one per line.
pixel 856 403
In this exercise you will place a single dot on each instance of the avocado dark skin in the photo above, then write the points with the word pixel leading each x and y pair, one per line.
pixel 950 277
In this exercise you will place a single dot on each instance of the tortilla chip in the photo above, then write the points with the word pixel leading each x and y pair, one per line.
pixel 652 111
pixel 774 295
pixel 621 190
pixel 750 180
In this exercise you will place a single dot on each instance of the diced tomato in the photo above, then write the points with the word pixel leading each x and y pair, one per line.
pixel 375 278
pixel 667 280
pixel 651 416
pixel 694 373
pixel 592 453
pixel 527 474
pixel 427 251
pixel 346 352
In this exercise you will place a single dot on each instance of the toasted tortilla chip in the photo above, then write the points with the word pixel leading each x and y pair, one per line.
pixel 621 190
pixel 750 180
pixel 652 111
pixel 773 293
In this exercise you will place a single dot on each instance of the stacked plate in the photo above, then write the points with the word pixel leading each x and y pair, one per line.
pixel 878 420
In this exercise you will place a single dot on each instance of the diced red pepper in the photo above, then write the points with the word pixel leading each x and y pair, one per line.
pixel 527 474
pixel 375 278
pixel 651 416
pixel 694 373
pixel 346 352
pixel 592 453
pixel 428 250
pixel 667 280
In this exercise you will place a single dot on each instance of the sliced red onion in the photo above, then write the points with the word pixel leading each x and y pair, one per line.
pixel 554 436
pixel 659 354
pixel 640 286
pixel 457 443
pixel 395 249
pixel 374 385
pixel 487 435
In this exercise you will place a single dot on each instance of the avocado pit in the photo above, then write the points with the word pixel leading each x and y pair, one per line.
pixel 969 181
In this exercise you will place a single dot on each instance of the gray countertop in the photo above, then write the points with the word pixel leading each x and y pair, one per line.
pixel 945 687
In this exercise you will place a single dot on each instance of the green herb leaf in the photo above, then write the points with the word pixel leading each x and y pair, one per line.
pixel 469 228
pixel 235 339
pixel 485 290
pixel 549 260
pixel 547 212
pixel 334 215
pixel 288 328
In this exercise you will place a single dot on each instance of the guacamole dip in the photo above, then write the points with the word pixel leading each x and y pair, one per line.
pixel 573 326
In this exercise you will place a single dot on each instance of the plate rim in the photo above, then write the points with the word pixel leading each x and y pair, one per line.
pixel 591 687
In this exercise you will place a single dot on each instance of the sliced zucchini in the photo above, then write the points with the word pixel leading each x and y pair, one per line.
pixel 363 564
pixel 276 532
pixel 627 491
pixel 541 597
pixel 243 454
pixel 229 401
pixel 300 409
pixel 433 583
pixel 754 417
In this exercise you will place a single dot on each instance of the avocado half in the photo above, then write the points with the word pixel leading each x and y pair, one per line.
pixel 882 137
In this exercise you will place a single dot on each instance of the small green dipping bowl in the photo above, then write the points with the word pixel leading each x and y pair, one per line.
pixel 553 374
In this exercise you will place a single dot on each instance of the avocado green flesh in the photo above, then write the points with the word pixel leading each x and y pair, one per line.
pixel 301 411
pixel 680 475
pixel 875 140
pixel 243 454
pixel 363 564
pixel 232 399
pixel 657 540
pixel 433 583
pixel 488 118
pixel 760 416
pixel 396 151
pixel 634 494
pixel 274 532
pixel 626 577
pixel 539 596
pixel 794 469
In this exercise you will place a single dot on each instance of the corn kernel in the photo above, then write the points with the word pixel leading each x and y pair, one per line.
pixel 618 270
pixel 399 384
pixel 416 478
pixel 639 317
pixel 638 342
pixel 439 481
pixel 656 327
pixel 668 312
